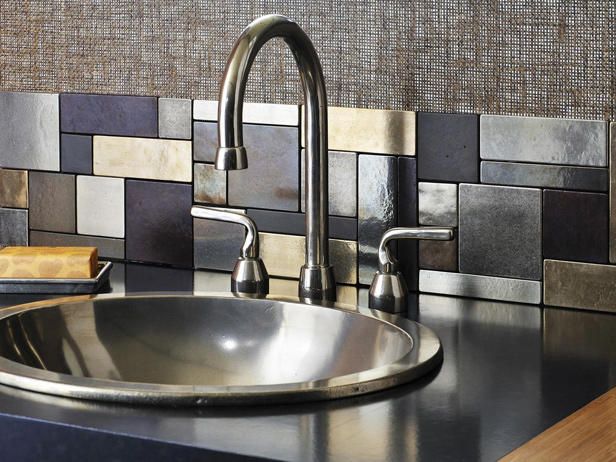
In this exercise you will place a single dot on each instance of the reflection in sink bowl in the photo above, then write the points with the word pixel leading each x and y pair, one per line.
pixel 208 349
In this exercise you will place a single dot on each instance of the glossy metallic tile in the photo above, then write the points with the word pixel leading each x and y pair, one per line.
pixel 107 247
pixel 580 285
pixel 152 159
pixel 109 115
pixel 500 231
pixel 205 141
pixel 271 180
pixel 217 244
pixel 407 216
pixel 254 113
pixel 438 204
pixel 100 206
pixel 13 227
pixel 13 188
pixel 211 281
pixel 342 183
pixel 439 255
pixel 210 185
pixel 548 141
pixel 376 207
pixel 545 176
pixel 283 255
pixel 76 153
pixel 52 202
pixel 288 288
pixel 175 118
pixel 29 131
pixel 613 192
pixel 471 285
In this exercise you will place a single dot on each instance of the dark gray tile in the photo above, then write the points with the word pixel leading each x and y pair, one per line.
pixel 52 202
pixel 439 255
pixel 217 244
pixel 205 141
pixel 575 226
pixel 407 216
pixel 109 115
pixel 447 147
pixel 13 227
pixel 500 231
pixel 271 180
pixel 158 222
pixel 295 223
pixel 613 192
pixel 76 153
pixel 210 185
pixel 107 247
pixel 377 208
pixel 142 278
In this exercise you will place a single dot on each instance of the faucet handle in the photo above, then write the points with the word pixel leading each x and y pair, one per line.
pixel 249 274
pixel 388 290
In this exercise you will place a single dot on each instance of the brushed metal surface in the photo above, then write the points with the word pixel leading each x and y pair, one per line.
pixel 208 349
pixel 500 231
pixel 545 176
pixel 438 204
pixel 13 227
pixel 254 113
pixel 100 206
pixel 175 118
pixel 549 141
pixel 472 285
pixel 30 131
pixel 210 185
pixel 145 158
pixel 613 192
pixel 107 247
pixel 51 198
pixel 13 188
pixel 579 285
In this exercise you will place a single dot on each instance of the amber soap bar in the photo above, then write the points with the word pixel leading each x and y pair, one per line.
pixel 48 262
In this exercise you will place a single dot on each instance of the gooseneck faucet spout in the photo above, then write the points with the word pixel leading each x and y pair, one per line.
pixel 316 276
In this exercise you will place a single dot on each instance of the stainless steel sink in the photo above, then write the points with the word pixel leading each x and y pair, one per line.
pixel 208 349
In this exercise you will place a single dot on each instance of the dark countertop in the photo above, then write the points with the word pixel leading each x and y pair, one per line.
pixel 510 371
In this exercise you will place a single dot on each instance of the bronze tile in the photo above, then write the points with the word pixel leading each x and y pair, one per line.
pixel 14 188
pixel 436 255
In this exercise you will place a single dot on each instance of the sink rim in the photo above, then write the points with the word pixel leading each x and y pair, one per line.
pixel 425 354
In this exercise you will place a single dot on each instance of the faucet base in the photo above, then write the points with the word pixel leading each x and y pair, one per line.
pixel 317 283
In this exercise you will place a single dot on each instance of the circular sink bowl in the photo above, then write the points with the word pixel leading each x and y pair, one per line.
pixel 208 349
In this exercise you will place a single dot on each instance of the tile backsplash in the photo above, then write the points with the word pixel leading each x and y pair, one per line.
pixel 528 196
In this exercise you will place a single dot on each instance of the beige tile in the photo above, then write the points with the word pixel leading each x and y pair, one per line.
pixel 371 130
pixel 284 255
pixel 613 192
pixel 210 185
pixel 254 113
pixel 579 285
pixel 13 188
pixel 288 288
pixel 152 159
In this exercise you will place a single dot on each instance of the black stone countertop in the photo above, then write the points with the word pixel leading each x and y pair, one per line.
pixel 510 371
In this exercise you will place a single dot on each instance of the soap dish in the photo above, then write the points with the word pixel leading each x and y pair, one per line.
pixel 58 286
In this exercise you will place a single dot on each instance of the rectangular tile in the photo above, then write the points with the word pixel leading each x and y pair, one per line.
pixel 439 255
pixel 543 140
pixel 168 160
pixel 545 176
pixel 471 285
pixel 52 202
pixel 217 244
pixel 13 227
pixel 580 285
pixel 76 153
pixel 107 247
pixel 613 192
pixel 175 118
pixel 288 288
pixel 438 204
pixel 141 278
pixel 210 185
pixel 100 206
pixel 407 216
pixel 13 188
pixel 211 281
pixel 254 113
pixel 109 115
pixel 29 131
pixel 205 141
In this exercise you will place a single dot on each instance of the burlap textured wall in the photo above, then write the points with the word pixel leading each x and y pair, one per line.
pixel 534 57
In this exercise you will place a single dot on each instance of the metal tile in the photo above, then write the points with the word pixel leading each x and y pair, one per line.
pixel 377 208
pixel 407 216
pixel 76 153
pixel 438 204
pixel 580 285
pixel 447 147
pixel 175 118
pixel 211 281
pixel 545 176
pixel 217 244
pixel 100 206
pixel 107 247
pixel 342 183
pixel 439 255
pixel 13 227
pixel 288 288
pixel 271 180
pixel 613 192
pixel 205 141
pixel 549 141
pixel 210 185
pixel 13 188
pixel 575 226
pixel 52 202
pixel 141 278
pixel 30 125
pixel 284 255
pixel 254 113
pixel 500 231
pixel 471 285
pixel 158 223
pixel 168 160
pixel 109 115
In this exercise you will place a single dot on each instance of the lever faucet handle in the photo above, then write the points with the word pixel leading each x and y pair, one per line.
pixel 249 274
pixel 388 291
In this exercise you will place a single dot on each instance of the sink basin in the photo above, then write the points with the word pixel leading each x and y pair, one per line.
pixel 208 349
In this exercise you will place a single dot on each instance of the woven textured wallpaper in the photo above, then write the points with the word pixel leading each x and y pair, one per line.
pixel 528 57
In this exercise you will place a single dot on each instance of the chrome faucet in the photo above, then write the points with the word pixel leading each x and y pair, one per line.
pixel 316 275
